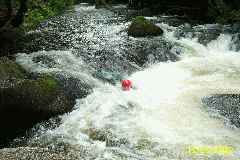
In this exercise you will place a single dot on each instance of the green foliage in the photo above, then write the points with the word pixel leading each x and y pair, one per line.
pixel 59 6
pixel 229 17
pixel 37 15
pixel 40 10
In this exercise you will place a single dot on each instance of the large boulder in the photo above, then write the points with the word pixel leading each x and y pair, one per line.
pixel 25 102
pixel 142 27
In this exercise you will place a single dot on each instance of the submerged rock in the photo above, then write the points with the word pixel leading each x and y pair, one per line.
pixel 106 136
pixel 108 76
pixel 142 27
pixel 45 60
pixel 227 105
pixel 25 102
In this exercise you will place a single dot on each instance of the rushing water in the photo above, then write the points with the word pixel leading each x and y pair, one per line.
pixel 163 114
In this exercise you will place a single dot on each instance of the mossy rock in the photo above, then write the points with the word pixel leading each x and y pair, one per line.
pixel 28 102
pixel 42 97
pixel 141 27
pixel 25 102
pixel 10 70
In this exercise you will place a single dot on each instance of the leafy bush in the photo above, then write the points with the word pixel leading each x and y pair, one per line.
pixel 229 17
pixel 40 10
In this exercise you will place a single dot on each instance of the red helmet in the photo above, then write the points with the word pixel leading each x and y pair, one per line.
pixel 126 85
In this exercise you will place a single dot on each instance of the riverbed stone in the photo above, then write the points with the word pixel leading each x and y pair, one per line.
pixel 141 27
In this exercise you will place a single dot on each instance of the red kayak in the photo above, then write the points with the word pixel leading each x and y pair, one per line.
pixel 126 85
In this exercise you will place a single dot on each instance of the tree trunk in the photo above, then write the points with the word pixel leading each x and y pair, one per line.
pixel 8 4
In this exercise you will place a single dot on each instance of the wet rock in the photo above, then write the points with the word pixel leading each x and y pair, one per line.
pixel 25 102
pixel 208 33
pixel 109 65
pixel 28 153
pixel 185 30
pixel 235 43
pixel 204 33
pixel 227 105
pixel 142 27
pixel 235 27
pixel 108 137
pixel 73 87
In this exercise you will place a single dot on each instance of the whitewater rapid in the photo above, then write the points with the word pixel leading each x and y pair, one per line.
pixel 162 115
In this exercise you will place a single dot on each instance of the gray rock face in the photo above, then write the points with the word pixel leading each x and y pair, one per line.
pixel 227 105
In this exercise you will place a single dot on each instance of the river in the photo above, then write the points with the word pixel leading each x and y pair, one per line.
pixel 163 115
